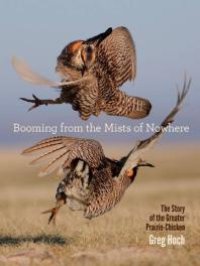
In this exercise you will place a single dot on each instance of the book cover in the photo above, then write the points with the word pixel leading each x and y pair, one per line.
pixel 107 91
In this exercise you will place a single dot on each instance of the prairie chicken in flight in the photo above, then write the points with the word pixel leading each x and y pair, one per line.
pixel 94 183
pixel 92 72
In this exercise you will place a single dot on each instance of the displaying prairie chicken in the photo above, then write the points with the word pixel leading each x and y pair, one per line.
pixel 92 73
pixel 94 183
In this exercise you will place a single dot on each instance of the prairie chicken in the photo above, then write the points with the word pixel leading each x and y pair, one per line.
pixel 94 183
pixel 92 72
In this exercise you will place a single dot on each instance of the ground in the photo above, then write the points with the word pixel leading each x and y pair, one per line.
pixel 116 238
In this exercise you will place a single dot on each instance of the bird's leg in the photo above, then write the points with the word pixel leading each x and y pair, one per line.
pixel 61 199
pixel 37 102
pixel 54 211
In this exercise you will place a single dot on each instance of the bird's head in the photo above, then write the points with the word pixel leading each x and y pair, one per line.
pixel 77 55
pixel 132 172
pixel 129 171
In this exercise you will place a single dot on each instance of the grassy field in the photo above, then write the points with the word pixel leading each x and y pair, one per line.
pixel 117 238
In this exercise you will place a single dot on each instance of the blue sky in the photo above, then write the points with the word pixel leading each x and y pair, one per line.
pixel 167 39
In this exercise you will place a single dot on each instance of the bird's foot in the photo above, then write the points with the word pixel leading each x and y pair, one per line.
pixel 54 211
pixel 36 102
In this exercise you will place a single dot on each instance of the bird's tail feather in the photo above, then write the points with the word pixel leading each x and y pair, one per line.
pixel 128 106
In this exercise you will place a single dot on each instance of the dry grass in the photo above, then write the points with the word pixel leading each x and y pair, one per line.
pixel 117 238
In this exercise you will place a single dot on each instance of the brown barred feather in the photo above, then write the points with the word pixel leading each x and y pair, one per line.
pixel 115 54
pixel 70 148
pixel 124 105
pixel 46 155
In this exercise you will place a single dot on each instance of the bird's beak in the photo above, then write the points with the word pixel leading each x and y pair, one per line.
pixel 144 163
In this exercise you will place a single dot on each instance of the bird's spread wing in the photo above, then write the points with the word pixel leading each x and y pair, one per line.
pixel 27 74
pixel 142 146
pixel 116 54
pixel 59 152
